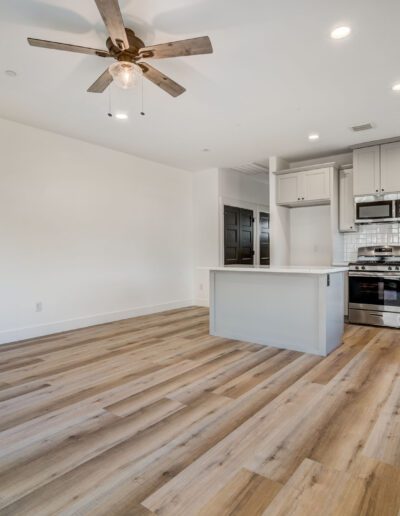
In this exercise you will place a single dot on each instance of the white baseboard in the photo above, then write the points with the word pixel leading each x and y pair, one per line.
pixel 41 330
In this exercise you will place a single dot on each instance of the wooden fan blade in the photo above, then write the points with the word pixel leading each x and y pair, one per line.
pixel 161 80
pixel 101 83
pixel 69 48
pixel 186 47
pixel 112 17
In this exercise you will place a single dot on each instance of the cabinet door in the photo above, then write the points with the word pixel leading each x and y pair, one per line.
pixel 346 201
pixel 366 170
pixel 315 185
pixel 390 167
pixel 288 188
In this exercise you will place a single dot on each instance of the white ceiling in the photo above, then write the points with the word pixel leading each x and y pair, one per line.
pixel 253 169
pixel 274 77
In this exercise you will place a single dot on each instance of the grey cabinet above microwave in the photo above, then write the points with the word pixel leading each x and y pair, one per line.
pixel 377 169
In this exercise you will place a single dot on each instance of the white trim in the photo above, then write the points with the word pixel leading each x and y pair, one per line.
pixel 306 168
pixel 256 209
pixel 41 330
pixel 375 142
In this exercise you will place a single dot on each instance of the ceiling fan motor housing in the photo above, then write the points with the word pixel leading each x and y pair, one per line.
pixel 130 54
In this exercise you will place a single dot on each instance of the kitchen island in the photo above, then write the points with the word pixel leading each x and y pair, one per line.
pixel 297 308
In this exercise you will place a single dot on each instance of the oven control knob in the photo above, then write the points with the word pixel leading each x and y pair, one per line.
pixel 357 267
pixel 397 268
pixel 389 268
pixel 363 268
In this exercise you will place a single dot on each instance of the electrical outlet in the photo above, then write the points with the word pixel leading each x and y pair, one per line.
pixel 39 306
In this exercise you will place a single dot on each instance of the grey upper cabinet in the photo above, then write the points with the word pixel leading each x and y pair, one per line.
pixel 288 188
pixel 316 184
pixel 366 163
pixel 377 169
pixel 346 201
pixel 304 188
pixel 390 167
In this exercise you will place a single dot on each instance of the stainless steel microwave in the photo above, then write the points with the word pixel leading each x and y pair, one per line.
pixel 368 212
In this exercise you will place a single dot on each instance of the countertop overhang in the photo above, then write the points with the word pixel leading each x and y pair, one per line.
pixel 279 270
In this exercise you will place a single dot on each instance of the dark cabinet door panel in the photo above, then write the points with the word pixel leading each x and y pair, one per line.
pixel 238 236
pixel 264 239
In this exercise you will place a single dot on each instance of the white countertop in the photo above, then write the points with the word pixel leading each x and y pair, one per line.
pixel 291 269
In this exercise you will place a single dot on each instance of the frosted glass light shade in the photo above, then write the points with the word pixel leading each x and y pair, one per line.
pixel 125 74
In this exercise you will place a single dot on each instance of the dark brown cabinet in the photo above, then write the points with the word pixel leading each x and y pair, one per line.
pixel 264 239
pixel 238 236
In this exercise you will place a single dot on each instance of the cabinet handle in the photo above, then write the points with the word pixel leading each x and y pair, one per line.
pixel 383 189
pixel 376 190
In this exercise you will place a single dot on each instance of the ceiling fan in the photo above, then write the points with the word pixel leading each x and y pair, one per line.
pixel 129 51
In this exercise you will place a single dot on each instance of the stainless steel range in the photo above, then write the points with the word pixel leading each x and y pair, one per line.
pixel 374 286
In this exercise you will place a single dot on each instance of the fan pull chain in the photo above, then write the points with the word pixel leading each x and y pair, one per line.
pixel 142 94
pixel 109 103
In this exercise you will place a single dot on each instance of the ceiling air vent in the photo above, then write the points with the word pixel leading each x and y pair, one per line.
pixel 362 127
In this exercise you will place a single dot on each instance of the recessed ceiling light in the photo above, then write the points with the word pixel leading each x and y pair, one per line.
pixel 396 87
pixel 121 116
pixel 10 73
pixel 313 136
pixel 340 32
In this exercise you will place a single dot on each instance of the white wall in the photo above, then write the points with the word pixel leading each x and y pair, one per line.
pixel 310 236
pixel 93 234
pixel 244 187
pixel 205 230
pixel 279 218
pixel 211 189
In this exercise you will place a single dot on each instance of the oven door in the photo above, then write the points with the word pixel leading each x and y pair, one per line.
pixel 374 291
pixel 376 211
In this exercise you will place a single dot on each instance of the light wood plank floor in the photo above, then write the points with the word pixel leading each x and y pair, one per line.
pixel 153 416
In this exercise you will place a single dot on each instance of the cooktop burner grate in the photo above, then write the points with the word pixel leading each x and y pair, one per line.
pixel 376 262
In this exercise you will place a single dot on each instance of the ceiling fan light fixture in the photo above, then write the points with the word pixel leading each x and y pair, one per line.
pixel 125 74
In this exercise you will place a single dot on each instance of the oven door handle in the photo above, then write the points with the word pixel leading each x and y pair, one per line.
pixel 383 275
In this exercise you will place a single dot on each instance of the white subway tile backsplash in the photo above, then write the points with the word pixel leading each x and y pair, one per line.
pixel 370 234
